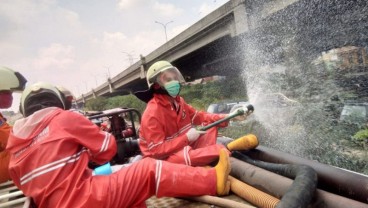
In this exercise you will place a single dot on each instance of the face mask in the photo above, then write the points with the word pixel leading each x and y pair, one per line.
pixel 173 88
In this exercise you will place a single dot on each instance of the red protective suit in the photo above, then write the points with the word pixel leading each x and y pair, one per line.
pixel 50 151
pixel 163 132
pixel 4 155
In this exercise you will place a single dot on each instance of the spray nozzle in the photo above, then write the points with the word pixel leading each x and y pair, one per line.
pixel 242 110
pixel 248 110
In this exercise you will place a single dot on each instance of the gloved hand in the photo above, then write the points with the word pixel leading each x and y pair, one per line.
pixel 193 134
pixel 247 112
pixel 240 118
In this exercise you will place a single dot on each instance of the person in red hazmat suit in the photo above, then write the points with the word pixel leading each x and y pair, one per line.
pixel 167 129
pixel 50 149
pixel 10 81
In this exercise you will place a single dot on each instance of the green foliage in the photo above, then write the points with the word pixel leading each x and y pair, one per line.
pixel 190 93
pixel 200 96
pixel 361 135
pixel 362 138
pixel 97 104
pixel 127 101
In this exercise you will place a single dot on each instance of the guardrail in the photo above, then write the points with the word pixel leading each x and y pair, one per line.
pixel 12 197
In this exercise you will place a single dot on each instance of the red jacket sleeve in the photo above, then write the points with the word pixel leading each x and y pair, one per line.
pixel 204 118
pixel 4 133
pixel 101 145
pixel 158 145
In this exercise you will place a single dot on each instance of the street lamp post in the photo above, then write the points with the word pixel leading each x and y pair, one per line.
pixel 85 83
pixel 164 25
pixel 95 76
pixel 108 72
pixel 77 91
pixel 130 57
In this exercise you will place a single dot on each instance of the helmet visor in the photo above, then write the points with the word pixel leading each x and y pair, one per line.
pixel 22 82
pixel 169 74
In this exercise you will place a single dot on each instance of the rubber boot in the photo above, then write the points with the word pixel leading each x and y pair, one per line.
pixel 223 168
pixel 246 142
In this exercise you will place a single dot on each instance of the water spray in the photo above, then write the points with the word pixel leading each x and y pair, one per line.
pixel 241 111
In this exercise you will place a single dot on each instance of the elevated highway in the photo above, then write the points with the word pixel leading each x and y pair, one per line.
pixel 219 43
pixel 209 44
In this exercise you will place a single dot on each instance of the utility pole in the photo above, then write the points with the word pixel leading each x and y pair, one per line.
pixel 164 25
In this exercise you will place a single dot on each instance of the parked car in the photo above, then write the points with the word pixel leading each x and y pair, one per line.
pixel 223 107
pixel 354 112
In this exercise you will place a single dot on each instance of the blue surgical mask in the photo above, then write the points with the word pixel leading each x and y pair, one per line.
pixel 173 88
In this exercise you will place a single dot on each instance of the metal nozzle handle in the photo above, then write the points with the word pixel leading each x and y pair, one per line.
pixel 238 112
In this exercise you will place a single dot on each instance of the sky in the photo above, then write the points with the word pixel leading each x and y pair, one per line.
pixel 78 44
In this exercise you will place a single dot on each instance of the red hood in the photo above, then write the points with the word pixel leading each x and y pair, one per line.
pixel 24 130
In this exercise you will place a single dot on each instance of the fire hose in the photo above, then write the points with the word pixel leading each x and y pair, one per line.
pixel 301 192
pixel 221 202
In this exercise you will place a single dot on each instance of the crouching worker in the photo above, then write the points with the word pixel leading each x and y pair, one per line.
pixel 167 129
pixel 51 147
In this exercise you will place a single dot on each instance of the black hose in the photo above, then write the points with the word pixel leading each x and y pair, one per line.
pixel 301 192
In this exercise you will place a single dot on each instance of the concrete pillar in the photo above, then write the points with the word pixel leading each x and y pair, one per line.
pixel 111 88
pixel 240 20
pixel 142 74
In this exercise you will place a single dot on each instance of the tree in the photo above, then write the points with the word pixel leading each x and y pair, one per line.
pixel 97 104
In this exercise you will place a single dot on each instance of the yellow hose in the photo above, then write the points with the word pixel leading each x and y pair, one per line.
pixel 221 202
pixel 252 195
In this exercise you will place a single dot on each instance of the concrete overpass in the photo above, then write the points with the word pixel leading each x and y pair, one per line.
pixel 218 43
pixel 217 28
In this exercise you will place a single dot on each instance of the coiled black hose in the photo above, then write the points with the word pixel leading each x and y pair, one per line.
pixel 301 192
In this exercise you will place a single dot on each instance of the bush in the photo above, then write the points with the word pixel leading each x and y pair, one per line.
pixel 127 101
pixel 361 135
pixel 362 138
pixel 97 104
pixel 200 96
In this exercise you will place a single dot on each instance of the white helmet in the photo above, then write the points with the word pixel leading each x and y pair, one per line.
pixel 11 80
pixel 159 68
pixel 69 97
pixel 40 95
